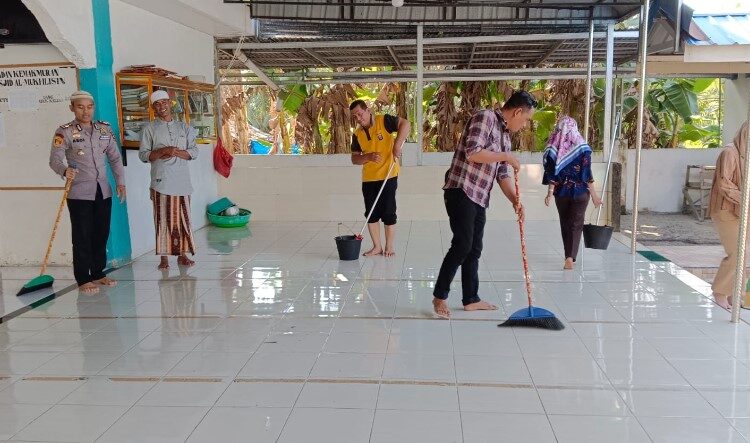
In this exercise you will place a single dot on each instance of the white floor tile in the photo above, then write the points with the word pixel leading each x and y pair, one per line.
pixel 348 366
pixel 44 392
pixel 482 369
pixel 586 429
pixel 151 424
pixel 210 364
pixel 663 403
pixel 566 371
pixel 623 372
pixel 583 402
pixel 425 367
pixel 13 418
pixel 357 342
pixel 682 430
pixel 229 425
pixel 183 393
pixel 495 399
pixel 713 373
pixel 733 403
pixel 279 365
pixel 432 426
pixel 483 427
pixel 72 423
pixel 21 363
pixel 418 397
pixel 77 364
pixel 107 392
pixel 140 362
pixel 338 395
pixel 260 394
pixel 313 425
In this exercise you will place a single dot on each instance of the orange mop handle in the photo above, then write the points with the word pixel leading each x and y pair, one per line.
pixel 68 183
pixel 524 257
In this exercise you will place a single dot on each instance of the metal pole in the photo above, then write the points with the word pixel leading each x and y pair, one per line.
pixel 217 96
pixel 608 86
pixel 641 102
pixel 739 280
pixel 609 165
pixel 483 39
pixel 420 91
pixel 587 112
pixel 678 27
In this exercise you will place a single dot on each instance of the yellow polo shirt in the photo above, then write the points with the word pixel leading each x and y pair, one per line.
pixel 377 138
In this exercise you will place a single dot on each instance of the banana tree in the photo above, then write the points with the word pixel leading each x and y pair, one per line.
pixel 672 105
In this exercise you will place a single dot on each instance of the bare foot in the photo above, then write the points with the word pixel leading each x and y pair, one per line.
pixel 106 281
pixel 441 308
pixel 722 301
pixel 88 288
pixel 568 263
pixel 376 250
pixel 389 252
pixel 480 306
pixel 163 264
pixel 184 261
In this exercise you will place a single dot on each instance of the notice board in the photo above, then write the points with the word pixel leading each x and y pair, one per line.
pixel 34 101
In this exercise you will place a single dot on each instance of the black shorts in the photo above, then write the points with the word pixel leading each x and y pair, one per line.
pixel 386 208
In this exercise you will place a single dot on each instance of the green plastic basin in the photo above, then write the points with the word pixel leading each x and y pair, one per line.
pixel 230 221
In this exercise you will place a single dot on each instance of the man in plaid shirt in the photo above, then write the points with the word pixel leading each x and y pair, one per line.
pixel 480 159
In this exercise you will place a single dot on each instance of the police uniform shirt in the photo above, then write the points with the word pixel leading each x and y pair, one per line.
pixel 377 138
pixel 169 176
pixel 85 148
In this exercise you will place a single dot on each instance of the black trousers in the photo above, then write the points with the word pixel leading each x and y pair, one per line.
pixel 385 210
pixel 467 220
pixel 572 212
pixel 89 222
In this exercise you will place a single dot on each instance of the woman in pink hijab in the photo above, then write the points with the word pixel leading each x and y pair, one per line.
pixel 567 172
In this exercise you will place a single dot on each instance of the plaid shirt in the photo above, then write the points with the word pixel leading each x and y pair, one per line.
pixel 485 130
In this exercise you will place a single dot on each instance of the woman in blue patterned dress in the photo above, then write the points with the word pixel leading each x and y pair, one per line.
pixel 567 172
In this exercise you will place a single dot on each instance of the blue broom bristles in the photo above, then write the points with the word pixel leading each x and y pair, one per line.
pixel 534 317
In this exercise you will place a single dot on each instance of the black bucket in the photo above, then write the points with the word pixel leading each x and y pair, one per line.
pixel 596 237
pixel 348 246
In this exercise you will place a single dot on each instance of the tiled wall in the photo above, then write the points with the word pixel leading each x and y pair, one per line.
pixel 328 188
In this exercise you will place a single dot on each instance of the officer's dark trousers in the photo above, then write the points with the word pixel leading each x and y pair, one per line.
pixel 89 222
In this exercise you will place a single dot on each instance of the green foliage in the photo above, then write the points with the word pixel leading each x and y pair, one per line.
pixel 685 111
pixel 257 108
pixel 544 122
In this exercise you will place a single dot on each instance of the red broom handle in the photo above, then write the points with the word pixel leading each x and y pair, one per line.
pixel 524 257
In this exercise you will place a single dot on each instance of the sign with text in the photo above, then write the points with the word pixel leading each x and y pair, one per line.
pixel 34 101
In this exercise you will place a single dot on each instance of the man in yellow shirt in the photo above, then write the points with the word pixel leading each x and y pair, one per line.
pixel 375 148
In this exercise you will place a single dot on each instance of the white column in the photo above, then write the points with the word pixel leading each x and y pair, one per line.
pixel 641 99
pixel 608 88
pixel 587 112
pixel 419 92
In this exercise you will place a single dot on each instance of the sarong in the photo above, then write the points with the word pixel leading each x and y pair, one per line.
pixel 174 235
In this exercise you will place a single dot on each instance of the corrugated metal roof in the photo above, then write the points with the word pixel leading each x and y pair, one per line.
pixel 555 14
pixel 723 29
pixel 470 55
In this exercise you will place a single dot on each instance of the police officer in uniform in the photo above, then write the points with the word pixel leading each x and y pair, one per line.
pixel 79 150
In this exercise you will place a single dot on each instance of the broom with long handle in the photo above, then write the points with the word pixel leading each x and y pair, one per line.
pixel 43 280
pixel 532 316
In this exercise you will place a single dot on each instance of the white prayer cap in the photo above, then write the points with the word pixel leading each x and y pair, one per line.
pixel 78 95
pixel 159 95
